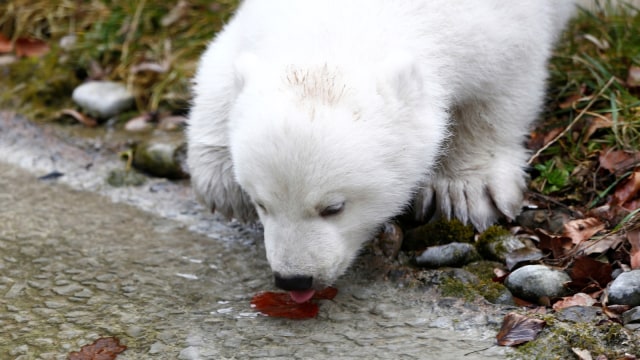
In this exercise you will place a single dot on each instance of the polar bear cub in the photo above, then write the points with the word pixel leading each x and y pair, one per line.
pixel 326 118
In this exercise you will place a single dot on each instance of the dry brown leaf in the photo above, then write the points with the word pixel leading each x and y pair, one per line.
pixel 538 140
pixel 628 190
pixel 80 117
pixel 518 329
pixel 31 47
pixel 618 160
pixel 579 299
pixel 570 101
pixel 634 239
pixel 614 312
pixel 599 122
pixel 599 246
pixel 581 230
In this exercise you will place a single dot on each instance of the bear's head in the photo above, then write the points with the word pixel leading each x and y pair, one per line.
pixel 327 154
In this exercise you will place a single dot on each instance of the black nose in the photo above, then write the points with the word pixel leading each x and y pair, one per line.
pixel 293 283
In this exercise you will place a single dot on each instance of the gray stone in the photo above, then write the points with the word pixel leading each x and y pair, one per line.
pixel 534 282
pixel 103 99
pixel 454 254
pixel 580 314
pixel 625 289
pixel 631 316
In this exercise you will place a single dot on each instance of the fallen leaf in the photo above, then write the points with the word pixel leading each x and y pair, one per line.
pixel 587 272
pixel 570 101
pixel 523 255
pixel 5 44
pixel 80 117
pixel 518 329
pixel 596 123
pixel 614 312
pixel 538 140
pixel 599 246
pixel 579 299
pixel 31 47
pixel 106 348
pixel 559 245
pixel 280 304
pixel 634 239
pixel 618 161
pixel 581 230
pixel 633 79
pixel 628 190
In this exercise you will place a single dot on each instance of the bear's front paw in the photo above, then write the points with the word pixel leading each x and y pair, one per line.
pixel 479 198
pixel 214 184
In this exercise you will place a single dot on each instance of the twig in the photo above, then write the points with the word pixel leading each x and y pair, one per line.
pixel 580 115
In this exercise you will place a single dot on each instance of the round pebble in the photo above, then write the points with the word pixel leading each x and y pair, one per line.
pixel 454 254
pixel 534 282
pixel 103 99
pixel 625 289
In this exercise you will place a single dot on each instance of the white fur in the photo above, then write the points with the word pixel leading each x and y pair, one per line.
pixel 304 104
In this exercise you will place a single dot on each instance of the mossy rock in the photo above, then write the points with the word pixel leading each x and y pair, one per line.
pixel 439 232
pixel 122 178
pixel 496 242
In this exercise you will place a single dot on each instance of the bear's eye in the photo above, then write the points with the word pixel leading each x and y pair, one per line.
pixel 331 210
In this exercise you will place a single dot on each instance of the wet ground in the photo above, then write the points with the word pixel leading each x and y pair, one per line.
pixel 80 260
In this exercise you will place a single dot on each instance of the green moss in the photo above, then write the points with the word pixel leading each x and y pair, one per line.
pixel 492 291
pixel 439 232
pixel 599 338
pixel 456 288
pixel 121 178
pixel 491 243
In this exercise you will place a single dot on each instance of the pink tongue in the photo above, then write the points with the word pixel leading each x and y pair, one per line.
pixel 301 296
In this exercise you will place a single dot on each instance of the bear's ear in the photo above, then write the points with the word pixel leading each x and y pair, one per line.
pixel 400 73
pixel 246 66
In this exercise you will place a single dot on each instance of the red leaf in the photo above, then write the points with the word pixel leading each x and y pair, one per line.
pixel 587 272
pixel 106 348
pixel 31 47
pixel 518 329
pixel 280 304
pixel 558 245
pixel 327 293
pixel 5 44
